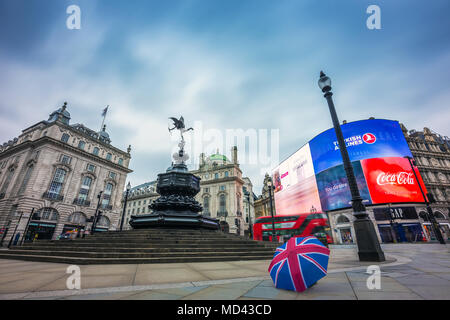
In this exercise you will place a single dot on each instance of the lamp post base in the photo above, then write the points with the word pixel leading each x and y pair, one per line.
pixel 369 248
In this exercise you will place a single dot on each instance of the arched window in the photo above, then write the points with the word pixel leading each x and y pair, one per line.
pixel 26 178
pixel 439 215
pixel 7 180
pixel 103 222
pixel 46 214
pixel 107 194
pixel 206 206
pixel 57 182
pixel 222 203
pixel 65 137
pixel 95 151
pixel 342 219
pixel 81 145
pixel 77 218
pixel 120 161
pixel 85 187
pixel 423 215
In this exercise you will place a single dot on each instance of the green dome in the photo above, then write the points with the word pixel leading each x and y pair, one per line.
pixel 218 157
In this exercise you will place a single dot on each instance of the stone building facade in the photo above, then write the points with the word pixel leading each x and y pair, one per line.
pixel 262 203
pixel 224 193
pixel 408 222
pixel 138 200
pixel 57 170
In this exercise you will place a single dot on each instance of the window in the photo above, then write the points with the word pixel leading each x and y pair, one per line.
pixel 26 178
pixel 206 206
pixel 109 156
pixel 207 190
pixel 138 210
pixel 216 176
pixel 107 194
pixel 90 167
pixel 226 173
pixel 103 222
pixel 112 175
pixel 85 186
pixel 65 159
pixel 57 181
pixel 120 161
pixel 77 218
pixel 145 201
pixel 7 181
pixel 65 137
pixel 95 151
pixel 46 214
pixel 222 203
pixel 222 188
pixel 342 219
pixel 139 202
pixel 81 145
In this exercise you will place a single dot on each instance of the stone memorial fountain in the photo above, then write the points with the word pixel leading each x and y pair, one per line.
pixel 176 207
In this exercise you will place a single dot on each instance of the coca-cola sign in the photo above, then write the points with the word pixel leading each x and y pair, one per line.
pixel 391 180
pixel 395 178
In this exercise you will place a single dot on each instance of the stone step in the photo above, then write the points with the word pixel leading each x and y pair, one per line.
pixel 120 256
pixel 141 249
pixel 83 260
pixel 163 242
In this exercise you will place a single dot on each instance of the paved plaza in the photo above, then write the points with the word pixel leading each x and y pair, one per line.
pixel 412 271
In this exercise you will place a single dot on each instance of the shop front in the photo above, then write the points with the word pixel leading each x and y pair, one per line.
pixel 40 231
pixel 399 224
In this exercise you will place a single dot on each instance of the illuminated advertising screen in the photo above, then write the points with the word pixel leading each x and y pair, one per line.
pixel 295 184
pixel 314 178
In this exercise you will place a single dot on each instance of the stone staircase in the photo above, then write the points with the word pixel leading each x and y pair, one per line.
pixel 145 246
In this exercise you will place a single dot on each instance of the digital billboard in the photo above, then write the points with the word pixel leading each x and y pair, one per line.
pixel 295 184
pixel 314 178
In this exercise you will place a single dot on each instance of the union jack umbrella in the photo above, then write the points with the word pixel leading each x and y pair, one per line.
pixel 299 263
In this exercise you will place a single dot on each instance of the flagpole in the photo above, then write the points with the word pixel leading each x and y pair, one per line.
pixel 104 116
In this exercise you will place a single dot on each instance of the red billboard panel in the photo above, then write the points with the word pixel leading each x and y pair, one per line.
pixel 392 180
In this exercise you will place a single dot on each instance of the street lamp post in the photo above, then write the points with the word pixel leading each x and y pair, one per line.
pixel 94 223
pixel 274 234
pixel 125 205
pixel 250 232
pixel 431 217
pixel 369 248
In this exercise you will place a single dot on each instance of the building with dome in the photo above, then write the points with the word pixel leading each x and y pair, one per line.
pixel 224 193
pixel 57 170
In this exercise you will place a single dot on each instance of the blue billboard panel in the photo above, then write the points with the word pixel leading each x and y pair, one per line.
pixel 364 139
pixel 334 191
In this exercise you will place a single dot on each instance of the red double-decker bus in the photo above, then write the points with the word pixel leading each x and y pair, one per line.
pixel 299 225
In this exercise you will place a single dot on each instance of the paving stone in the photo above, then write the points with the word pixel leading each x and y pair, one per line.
pixel 270 293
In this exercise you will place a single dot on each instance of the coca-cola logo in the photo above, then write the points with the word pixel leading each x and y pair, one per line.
pixel 369 138
pixel 399 178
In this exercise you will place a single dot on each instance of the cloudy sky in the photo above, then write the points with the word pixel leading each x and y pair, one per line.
pixel 235 64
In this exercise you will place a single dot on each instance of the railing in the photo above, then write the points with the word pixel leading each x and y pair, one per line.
pixel 52 196
pixel 222 213
pixel 81 202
